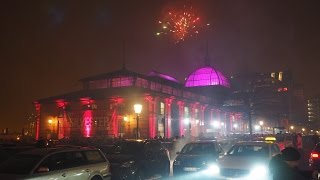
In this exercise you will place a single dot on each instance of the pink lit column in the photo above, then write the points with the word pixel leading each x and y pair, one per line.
pixel 192 120
pixel 152 116
pixel 181 115
pixel 168 117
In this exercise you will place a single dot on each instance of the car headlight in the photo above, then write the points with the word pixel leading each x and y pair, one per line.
pixel 259 170
pixel 212 169
pixel 175 162
pixel 127 164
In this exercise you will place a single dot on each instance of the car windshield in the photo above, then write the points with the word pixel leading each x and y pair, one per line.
pixel 133 148
pixel 198 148
pixel 249 150
pixel 20 164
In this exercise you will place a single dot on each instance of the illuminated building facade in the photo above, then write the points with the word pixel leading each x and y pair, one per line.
pixel 104 107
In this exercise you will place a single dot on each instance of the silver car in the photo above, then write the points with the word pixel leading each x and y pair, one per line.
pixel 58 164
pixel 248 160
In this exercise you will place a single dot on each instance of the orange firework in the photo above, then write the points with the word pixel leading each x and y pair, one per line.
pixel 180 24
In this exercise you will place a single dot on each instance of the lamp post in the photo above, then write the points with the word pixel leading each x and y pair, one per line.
pixel 137 110
pixel 261 124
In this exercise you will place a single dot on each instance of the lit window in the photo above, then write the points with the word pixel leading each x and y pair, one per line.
pixel 280 76
pixel 161 108
pixel 186 112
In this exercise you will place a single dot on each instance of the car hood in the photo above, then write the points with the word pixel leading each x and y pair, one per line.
pixel 242 162
pixel 196 160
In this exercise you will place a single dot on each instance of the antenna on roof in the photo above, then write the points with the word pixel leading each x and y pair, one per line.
pixel 124 54
pixel 207 57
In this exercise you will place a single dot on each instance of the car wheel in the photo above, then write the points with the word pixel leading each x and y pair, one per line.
pixel 96 178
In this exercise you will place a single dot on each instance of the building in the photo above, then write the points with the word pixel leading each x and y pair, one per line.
pixel 105 107
pixel 271 98
pixel 314 111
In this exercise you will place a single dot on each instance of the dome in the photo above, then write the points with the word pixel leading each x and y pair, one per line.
pixel 206 76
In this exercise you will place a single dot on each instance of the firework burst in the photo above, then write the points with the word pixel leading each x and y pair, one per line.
pixel 180 24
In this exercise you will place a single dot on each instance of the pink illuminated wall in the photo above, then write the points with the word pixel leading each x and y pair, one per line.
pixel 87 123
pixel 181 120
pixel 152 116
pixel 207 76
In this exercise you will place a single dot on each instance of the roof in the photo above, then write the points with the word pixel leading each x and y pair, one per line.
pixel 254 143
pixel 119 73
pixel 207 76
pixel 163 76
pixel 46 151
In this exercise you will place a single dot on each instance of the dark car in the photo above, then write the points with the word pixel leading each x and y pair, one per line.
pixel 138 159
pixel 314 160
pixel 197 157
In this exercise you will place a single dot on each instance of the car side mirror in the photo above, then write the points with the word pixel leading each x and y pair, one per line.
pixel 43 169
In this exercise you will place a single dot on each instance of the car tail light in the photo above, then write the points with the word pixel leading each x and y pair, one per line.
pixel 314 155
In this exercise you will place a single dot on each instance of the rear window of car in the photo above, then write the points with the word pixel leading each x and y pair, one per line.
pixel 132 148
pixel 198 148
pixel 94 156
pixel 249 150
pixel 20 164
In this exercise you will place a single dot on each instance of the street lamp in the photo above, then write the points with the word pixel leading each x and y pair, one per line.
pixel 137 110
pixel 303 129
pixel 261 124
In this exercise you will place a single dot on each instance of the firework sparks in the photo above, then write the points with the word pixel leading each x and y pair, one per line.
pixel 180 24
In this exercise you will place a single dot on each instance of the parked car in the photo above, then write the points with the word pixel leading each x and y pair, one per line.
pixel 57 163
pixel 138 159
pixel 314 160
pixel 248 160
pixel 198 157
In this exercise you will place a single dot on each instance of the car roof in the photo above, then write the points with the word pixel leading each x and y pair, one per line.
pixel 46 151
pixel 254 143
pixel 202 142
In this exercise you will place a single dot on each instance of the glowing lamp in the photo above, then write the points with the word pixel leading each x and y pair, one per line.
pixel 125 118
pixel 50 121
pixel 261 123
pixel 137 108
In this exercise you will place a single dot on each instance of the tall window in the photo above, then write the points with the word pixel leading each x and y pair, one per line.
pixel 142 83
pixel 161 108
pixel 121 81
pixel 186 112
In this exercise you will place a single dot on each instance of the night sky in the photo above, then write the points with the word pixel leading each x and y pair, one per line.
pixel 47 46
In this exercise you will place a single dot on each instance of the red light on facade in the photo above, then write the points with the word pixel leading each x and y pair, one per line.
pixel 285 89
pixel 61 103
pixel 280 89
pixel 87 123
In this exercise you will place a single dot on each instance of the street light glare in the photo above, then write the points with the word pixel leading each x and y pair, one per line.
pixel 50 121
pixel 137 108
pixel 261 123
